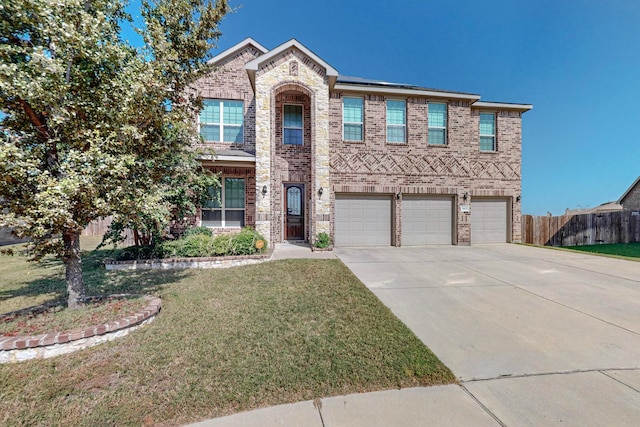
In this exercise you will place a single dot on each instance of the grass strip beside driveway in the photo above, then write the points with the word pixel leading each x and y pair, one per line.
pixel 226 341
pixel 620 250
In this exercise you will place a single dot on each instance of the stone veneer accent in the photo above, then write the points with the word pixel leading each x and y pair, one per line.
pixel 182 263
pixel 310 79
pixel 18 349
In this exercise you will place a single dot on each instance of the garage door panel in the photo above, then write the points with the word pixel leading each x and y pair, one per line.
pixel 489 221
pixel 427 221
pixel 362 220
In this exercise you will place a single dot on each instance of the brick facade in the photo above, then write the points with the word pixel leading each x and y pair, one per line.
pixel 290 74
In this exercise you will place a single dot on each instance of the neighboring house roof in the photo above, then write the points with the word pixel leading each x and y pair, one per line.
pixel 626 193
pixel 605 207
pixel 253 66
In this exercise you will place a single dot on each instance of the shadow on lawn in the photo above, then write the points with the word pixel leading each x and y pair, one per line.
pixel 97 280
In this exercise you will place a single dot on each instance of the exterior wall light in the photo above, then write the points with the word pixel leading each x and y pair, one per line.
pixel 264 190
pixel 398 195
pixel 465 196
pixel 320 191
pixel 518 198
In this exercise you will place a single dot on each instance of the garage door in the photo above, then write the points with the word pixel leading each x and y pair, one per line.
pixel 362 220
pixel 427 221
pixel 489 220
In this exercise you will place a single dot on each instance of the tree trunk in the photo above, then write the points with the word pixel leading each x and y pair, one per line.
pixel 73 269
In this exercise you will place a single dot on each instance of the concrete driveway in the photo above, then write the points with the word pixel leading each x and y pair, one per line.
pixel 536 336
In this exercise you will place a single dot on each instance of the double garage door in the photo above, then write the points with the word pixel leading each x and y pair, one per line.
pixel 366 220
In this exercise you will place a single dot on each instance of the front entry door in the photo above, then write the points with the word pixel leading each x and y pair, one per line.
pixel 294 204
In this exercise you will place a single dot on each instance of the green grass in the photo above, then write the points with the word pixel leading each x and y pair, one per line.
pixel 225 341
pixel 622 250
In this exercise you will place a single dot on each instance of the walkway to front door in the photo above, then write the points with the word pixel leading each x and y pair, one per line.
pixel 294 204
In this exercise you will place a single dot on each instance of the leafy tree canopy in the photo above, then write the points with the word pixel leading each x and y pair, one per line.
pixel 92 126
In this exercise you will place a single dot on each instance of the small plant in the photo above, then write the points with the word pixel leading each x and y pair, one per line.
pixel 322 240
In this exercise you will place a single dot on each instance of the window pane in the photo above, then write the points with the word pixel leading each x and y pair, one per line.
pixel 293 136
pixel 233 193
pixel 395 134
pixel 234 218
pixel 233 134
pixel 396 112
pixel 487 143
pixel 294 201
pixel 352 132
pixel 437 115
pixel 214 198
pixel 210 132
pixel 487 124
pixel 293 116
pixel 211 218
pixel 352 110
pixel 436 136
pixel 210 112
pixel 233 112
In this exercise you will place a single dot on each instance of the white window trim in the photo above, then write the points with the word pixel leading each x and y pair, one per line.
pixel 223 209
pixel 495 128
pixel 289 127
pixel 222 124
pixel 446 123
pixel 386 108
pixel 353 123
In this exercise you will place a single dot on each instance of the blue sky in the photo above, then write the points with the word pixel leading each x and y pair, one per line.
pixel 576 61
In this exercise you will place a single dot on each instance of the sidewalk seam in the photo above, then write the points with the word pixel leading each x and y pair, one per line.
pixel 491 414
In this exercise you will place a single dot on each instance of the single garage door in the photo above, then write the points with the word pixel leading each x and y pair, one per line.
pixel 362 220
pixel 427 221
pixel 489 220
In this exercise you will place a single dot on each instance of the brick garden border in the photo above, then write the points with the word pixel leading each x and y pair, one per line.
pixel 16 349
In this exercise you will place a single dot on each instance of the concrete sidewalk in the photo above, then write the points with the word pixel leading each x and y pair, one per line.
pixel 447 405
pixel 299 250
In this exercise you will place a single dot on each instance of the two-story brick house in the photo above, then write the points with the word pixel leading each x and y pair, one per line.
pixel 302 150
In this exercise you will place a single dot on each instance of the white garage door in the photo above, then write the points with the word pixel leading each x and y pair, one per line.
pixel 489 220
pixel 427 221
pixel 362 220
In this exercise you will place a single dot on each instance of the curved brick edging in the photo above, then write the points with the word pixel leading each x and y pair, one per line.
pixel 204 262
pixel 16 349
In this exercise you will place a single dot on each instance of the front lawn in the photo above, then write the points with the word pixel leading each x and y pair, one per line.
pixel 624 250
pixel 225 341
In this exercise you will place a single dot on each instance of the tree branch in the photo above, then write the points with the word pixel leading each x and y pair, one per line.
pixel 35 120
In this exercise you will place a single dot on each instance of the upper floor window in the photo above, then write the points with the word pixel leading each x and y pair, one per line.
pixel 225 207
pixel 222 120
pixel 292 125
pixel 396 121
pixel 487 132
pixel 437 120
pixel 352 119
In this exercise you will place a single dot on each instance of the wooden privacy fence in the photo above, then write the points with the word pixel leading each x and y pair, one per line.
pixel 100 226
pixel 584 229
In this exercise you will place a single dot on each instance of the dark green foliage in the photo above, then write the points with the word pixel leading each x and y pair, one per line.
pixel 197 243
pixel 197 230
pixel 323 240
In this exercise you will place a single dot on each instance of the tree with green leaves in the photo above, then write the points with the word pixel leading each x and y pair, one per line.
pixel 91 126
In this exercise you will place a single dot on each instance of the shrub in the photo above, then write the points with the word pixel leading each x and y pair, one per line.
pixel 197 231
pixel 323 240
pixel 197 244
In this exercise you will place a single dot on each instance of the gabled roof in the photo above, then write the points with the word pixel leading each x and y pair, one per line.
pixel 636 182
pixel 253 66
pixel 237 48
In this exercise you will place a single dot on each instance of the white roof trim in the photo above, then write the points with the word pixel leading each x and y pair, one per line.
pixel 256 63
pixel 502 105
pixel 251 159
pixel 236 48
pixel 403 91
